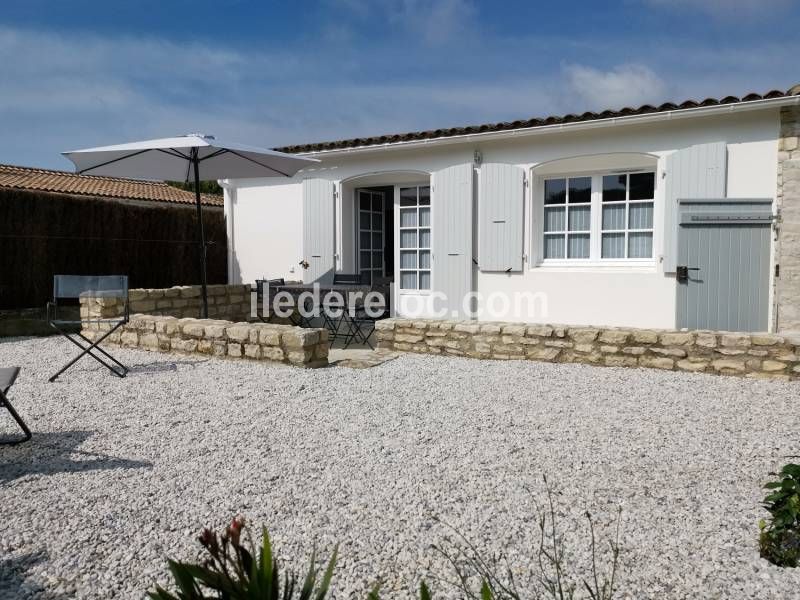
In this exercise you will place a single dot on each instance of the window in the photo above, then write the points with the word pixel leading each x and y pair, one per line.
pixel 627 223
pixel 370 234
pixel 567 217
pixel 598 217
pixel 415 238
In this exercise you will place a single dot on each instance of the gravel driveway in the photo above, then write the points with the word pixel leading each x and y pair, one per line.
pixel 122 473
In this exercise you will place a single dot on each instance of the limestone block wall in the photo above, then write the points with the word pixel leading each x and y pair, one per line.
pixel 297 346
pixel 752 355
pixel 787 291
pixel 231 302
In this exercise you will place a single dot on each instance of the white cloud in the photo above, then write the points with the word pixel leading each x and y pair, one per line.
pixel 72 90
pixel 433 22
pixel 725 9
pixel 625 85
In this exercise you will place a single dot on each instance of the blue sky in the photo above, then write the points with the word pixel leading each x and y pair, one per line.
pixel 86 73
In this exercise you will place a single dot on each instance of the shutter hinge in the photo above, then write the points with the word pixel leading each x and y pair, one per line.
pixel 777 270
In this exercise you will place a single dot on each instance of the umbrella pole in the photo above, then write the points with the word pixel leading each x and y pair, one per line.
pixel 196 165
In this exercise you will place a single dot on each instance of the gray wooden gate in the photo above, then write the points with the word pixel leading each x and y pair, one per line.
pixel 723 264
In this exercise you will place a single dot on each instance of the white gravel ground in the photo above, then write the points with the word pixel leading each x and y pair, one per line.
pixel 123 473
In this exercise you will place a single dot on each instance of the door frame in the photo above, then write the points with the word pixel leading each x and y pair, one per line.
pixel 396 291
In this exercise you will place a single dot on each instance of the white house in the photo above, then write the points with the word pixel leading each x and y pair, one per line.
pixel 660 217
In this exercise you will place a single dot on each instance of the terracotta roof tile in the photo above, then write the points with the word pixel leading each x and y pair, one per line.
pixel 65 182
pixel 534 122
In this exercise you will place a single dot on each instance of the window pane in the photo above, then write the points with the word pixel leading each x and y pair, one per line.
pixel 613 188
pixel 365 220
pixel 377 260
pixel 580 190
pixel 640 215
pixel 554 246
pixel 614 217
pixel 613 245
pixel 408 217
pixel 424 280
pixel 408 280
pixel 408 196
pixel 554 219
pixel 424 238
pixel 377 241
pixel 579 218
pixel 425 195
pixel 363 200
pixel 364 261
pixel 377 203
pixel 578 246
pixel 555 191
pixel 364 239
pixel 424 259
pixel 408 259
pixel 640 245
pixel 368 274
pixel 643 186
pixel 408 239
pixel 425 217
pixel 377 221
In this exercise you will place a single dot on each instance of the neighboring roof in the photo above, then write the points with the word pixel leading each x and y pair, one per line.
pixel 532 123
pixel 65 182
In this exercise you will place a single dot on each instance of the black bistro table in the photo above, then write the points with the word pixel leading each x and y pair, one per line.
pixel 349 292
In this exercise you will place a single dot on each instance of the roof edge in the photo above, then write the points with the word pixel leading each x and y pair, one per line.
pixel 644 113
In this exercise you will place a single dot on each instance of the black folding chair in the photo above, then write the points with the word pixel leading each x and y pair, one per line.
pixel 8 376
pixel 364 320
pixel 264 306
pixel 352 331
pixel 68 288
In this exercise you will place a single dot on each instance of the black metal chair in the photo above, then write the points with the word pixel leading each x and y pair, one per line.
pixel 351 330
pixel 8 376
pixel 67 289
pixel 364 320
pixel 264 303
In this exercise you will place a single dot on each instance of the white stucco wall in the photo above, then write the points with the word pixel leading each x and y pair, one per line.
pixel 267 215
pixel 265 232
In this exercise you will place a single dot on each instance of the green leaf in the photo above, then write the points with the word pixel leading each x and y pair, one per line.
pixel 424 592
pixel 486 592
pixel 374 593
pixel 326 579
pixel 311 576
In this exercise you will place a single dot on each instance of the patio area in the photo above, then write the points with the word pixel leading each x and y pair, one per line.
pixel 123 473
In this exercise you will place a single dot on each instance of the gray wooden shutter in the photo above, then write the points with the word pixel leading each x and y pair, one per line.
pixel 452 236
pixel 501 199
pixel 318 230
pixel 698 171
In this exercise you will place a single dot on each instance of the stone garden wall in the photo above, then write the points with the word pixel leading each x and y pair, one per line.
pixel 251 341
pixel 230 302
pixel 787 292
pixel 753 355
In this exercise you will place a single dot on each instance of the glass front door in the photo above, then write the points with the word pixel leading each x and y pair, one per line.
pixel 370 234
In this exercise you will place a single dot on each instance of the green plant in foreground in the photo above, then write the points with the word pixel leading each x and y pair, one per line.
pixel 491 578
pixel 236 570
pixel 780 538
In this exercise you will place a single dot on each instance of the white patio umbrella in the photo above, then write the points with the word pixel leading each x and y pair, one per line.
pixel 194 156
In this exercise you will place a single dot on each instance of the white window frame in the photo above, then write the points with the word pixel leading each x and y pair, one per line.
pixel 627 204
pixel 398 229
pixel 595 240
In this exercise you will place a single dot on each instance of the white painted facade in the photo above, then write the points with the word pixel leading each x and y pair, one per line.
pixel 265 217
